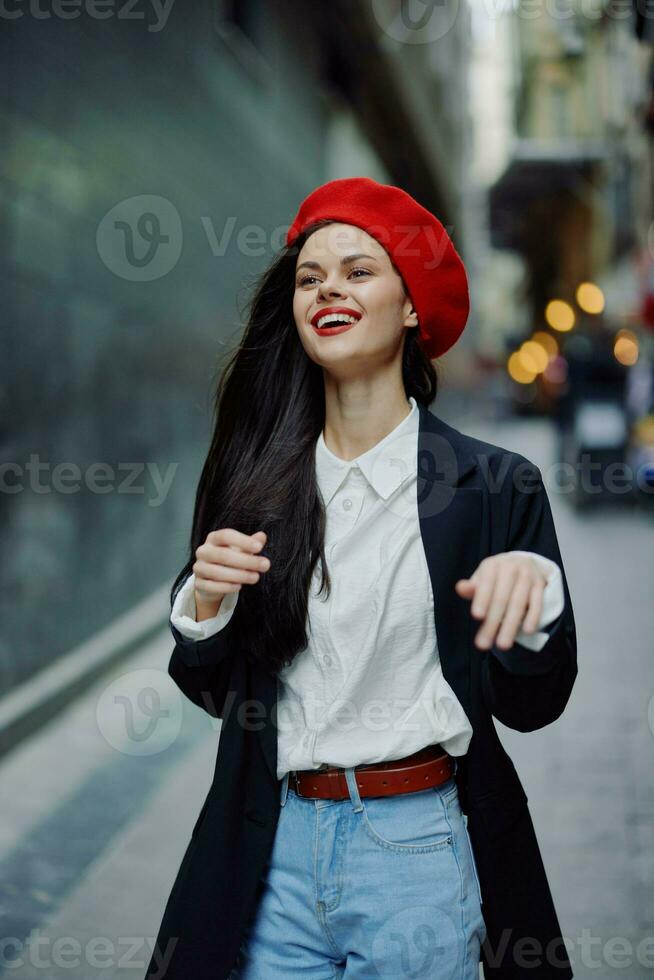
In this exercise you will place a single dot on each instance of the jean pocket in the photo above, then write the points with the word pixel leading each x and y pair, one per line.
pixel 448 791
pixel 409 822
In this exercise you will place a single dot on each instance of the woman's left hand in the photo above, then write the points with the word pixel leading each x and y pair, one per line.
pixel 507 592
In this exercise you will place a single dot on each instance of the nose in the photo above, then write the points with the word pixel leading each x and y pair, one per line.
pixel 328 289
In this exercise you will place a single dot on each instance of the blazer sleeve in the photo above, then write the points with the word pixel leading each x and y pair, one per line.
pixel 201 668
pixel 528 689
pixel 184 612
pixel 553 601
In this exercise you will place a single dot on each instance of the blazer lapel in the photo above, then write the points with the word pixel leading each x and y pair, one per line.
pixel 450 517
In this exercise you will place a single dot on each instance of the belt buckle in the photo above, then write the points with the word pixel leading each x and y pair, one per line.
pixel 296 785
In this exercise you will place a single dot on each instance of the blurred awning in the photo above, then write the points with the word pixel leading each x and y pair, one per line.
pixel 537 168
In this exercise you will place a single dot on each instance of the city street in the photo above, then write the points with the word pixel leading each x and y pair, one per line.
pixel 265 225
pixel 589 776
pixel 97 806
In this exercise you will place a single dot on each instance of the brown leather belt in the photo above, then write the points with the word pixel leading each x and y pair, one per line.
pixel 426 767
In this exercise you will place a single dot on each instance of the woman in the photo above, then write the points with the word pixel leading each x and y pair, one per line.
pixel 356 700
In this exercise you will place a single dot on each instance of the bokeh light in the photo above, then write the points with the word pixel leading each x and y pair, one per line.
pixel 625 347
pixel 518 371
pixel 560 315
pixel 556 371
pixel 547 341
pixel 533 356
pixel 590 297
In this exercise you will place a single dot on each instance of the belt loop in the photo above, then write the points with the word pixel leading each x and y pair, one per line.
pixel 284 788
pixel 350 776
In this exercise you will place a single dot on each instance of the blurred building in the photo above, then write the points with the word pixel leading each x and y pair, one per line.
pixel 570 189
pixel 148 171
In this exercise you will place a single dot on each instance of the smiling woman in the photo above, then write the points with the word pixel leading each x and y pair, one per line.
pixel 344 292
pixel 258 460
pixel 373 731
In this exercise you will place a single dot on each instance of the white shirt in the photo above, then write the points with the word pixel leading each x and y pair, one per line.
pixel 369 686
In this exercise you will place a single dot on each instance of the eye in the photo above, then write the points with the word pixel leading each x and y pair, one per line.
pixel 304 279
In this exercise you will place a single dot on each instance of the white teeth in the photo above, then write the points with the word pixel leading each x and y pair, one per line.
pixel 335 318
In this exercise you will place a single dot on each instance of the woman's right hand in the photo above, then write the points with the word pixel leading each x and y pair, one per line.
pixel 225 561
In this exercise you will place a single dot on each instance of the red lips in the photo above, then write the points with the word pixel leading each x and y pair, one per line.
pixel 334 309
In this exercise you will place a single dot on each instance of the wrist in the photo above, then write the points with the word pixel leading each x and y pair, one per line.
pixel 206 609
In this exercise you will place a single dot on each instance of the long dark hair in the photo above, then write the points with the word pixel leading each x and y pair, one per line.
pixel 269 409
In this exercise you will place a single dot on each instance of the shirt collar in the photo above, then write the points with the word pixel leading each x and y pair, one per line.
pixel 385 465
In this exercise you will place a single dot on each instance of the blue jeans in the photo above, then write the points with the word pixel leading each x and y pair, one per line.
pixel 382 886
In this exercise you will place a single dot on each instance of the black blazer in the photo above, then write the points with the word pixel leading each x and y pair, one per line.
pixel 474 499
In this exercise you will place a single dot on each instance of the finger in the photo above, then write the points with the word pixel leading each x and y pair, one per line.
pixel 504 579
pixel 206 572
pixel 515 611
pixel 210 591
pixel 532 619
pixel 485 584
pixel 465 585
pixel 228 536
pixel 232 558
pixel 229 547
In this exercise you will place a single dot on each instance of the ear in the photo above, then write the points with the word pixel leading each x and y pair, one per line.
pixel 411 318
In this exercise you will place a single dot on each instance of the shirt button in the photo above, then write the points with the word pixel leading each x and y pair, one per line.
pixel 327 660
pixel 347 503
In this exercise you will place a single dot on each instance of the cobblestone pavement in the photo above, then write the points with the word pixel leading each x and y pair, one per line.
pixel 97 806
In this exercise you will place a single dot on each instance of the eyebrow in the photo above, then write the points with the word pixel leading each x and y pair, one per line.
pixel 346 260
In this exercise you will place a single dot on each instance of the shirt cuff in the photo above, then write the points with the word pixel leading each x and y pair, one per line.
pixel 553 601
pixel 184 612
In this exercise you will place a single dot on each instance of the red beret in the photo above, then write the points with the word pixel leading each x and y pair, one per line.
pixel 417 243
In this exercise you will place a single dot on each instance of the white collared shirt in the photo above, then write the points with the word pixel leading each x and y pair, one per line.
pixel 369 686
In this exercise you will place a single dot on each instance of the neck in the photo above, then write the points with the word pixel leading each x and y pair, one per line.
pixel 359 415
